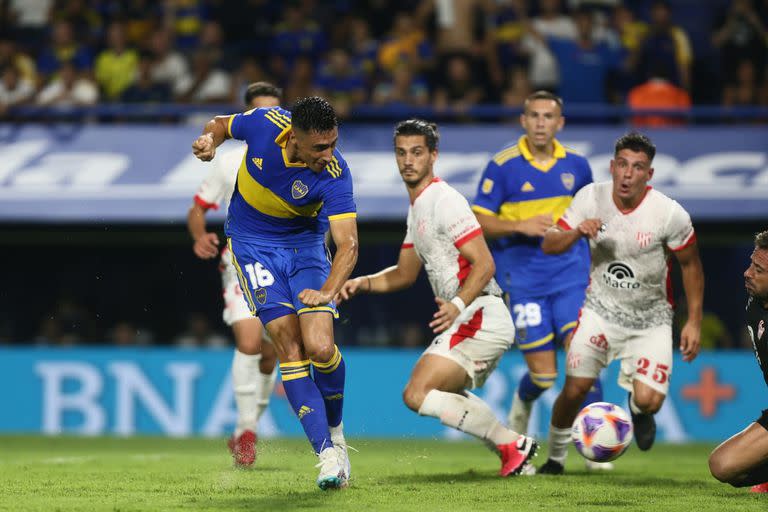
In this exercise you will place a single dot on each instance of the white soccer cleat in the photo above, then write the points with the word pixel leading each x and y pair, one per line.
pixel 331 474
pixel 343 455
pixel 519 414
pixel 598 466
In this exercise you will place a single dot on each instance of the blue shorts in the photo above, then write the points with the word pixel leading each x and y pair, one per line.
pixel 540 321
pixel 273 277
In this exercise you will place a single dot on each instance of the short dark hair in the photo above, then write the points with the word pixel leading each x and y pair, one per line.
pixel 761 240
pixel 544 95
pixel 257 89
pixel 313 114
pixel 635 142
pixel 419 127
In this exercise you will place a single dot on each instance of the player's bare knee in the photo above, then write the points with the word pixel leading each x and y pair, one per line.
pixel 576 391
pixel 413 397
pixel 322 352
pixel 720 468
pixel 649 401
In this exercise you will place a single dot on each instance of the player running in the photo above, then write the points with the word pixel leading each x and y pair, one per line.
pixel 524 189
pixel 253 365
pixel 742 460
pixel 292 185
pixel 632 230
pixel 472 323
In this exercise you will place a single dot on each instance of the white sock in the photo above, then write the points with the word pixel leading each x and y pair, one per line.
pixel 470 415
pixel 265 386
pixel 246 383
pixel 337 434
pixel 558 443
pixel 633 406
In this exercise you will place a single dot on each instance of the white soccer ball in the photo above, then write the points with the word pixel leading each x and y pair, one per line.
pixel 602 431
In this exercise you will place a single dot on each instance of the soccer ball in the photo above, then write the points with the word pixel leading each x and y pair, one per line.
pixel 602 431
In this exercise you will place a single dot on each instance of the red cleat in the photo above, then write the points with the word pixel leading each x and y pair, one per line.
pixel 759 488
pixel 514 456
pixel 243 448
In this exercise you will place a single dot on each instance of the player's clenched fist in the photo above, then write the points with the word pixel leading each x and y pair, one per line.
pixel 206 246
pixel 204 148
pixel 351 288
pixel 314 298
pixel 536 226
pixel 590 227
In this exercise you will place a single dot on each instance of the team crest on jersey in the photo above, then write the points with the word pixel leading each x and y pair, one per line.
pixel 643 238
pixel 258 162
pixel 568 179
pixel 261 296
pixel 298 189
pixel 760 329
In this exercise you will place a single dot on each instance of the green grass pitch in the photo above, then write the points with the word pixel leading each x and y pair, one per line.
pixel 69 474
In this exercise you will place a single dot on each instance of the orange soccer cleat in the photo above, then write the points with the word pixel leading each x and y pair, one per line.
pixel 243 448
pixel 759 488
pixel 514 456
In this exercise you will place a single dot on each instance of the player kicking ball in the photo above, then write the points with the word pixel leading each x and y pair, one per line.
pixel 742 460
pixel 472 323
pixel 632 231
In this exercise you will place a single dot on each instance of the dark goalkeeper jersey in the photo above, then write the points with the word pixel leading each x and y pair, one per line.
pixel 757 323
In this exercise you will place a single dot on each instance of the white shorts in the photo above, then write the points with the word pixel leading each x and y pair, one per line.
pixel 645 354
pixel 235 306
pixel 478 338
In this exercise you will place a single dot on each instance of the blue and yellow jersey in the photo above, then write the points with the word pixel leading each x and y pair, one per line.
pixel 277 203
pixel 515 187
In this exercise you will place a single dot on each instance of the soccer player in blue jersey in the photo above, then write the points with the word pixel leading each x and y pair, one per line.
pixel 292 186
pixel 524 189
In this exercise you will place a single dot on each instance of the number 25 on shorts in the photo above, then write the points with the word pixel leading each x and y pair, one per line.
pixel 660 372
pixel 258 275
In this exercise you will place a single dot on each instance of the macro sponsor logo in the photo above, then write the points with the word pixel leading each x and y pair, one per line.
pixel 620 275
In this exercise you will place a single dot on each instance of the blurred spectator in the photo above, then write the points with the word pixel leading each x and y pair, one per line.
pixel 460 25
pixel 296 35
pixel 741 37
pixel 68 89
pixel 631 32
pixel 585 63
pixel 458 89
pixel 126 334
pixel 14 90
pixel 518 88
pixel 667 45
pixel 550 23
pixel 402 89
pixel 212 40
pixel 200 334
pixel 185 18
pixel 140 20
pixel 744 88
pixel 69 324
pixel 302 80
pixel 249 72
pixel 31 20
pixel 144 89
pixel 169 66
pixel 10 55
pixel 658 93
pixel 412 335
pixel 207 84
pixel 405 42
pixel 86 21
pixel 505 50
pixel 340 83
pixel 363 49
pixel 116 66
pixel 63 48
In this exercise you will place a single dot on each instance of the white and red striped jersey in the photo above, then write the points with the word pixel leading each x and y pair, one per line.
pixel 217 187
pixel 439 222
pixel 629 276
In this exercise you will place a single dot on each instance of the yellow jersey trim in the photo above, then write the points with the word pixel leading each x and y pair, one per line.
pixel 243 283
pixel 506 154
pixel 295 376
pixel 281 121
pixel 482 211
pixel 229 125
pixel 568 326
pixel 333 168
pixel 558 153
pixel 522 210
pixel 340 216
pixel 282 141
pixel 287 305
pixel 269 203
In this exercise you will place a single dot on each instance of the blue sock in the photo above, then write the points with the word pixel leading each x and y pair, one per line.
pixel 307 403
pixel 595 394
pixel 329 378
pixel 532 385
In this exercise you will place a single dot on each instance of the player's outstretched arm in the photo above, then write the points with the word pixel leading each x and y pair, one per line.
pixel 214 133
pixel 494 227
pixel 344 234
pixel 481 271
pixel 558 240
pixel 206 244
pixel 391 279
pixel 693 284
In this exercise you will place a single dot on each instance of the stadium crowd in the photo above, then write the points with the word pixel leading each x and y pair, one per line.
pixel 427 53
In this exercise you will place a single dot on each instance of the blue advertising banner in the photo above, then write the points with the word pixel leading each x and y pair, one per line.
pixel 146 173
pixel 188 392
